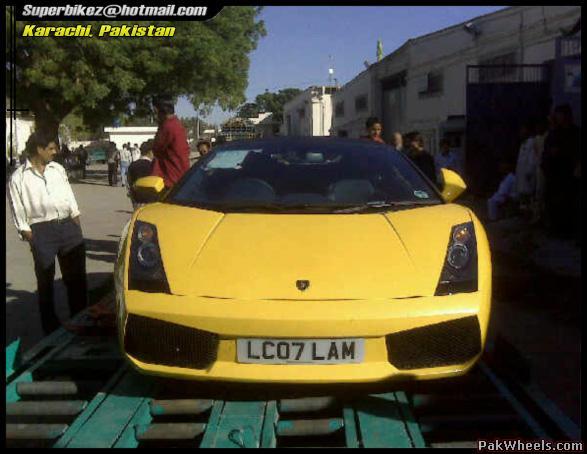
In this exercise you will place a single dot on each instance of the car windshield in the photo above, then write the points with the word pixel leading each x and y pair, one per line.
pixel 314 175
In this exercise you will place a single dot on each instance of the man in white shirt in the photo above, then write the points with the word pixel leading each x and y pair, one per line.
pixel 504 194
pixel 46 214
pixel 125 160
pixel 136 152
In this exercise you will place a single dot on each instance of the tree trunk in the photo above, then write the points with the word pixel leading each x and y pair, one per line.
pixel 47 119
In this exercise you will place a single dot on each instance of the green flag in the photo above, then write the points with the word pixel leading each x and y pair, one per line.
pixel 379 50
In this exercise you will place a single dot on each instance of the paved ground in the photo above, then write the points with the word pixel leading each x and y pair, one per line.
pixel 105 210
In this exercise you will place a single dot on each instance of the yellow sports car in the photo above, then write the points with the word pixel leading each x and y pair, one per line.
pixel 303 260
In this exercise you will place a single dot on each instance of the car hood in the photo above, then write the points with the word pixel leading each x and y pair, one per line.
pixel 342 256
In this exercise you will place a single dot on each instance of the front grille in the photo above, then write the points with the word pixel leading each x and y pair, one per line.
pixel 157 342
pixel 441 344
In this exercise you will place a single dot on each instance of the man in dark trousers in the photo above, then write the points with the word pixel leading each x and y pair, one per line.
pixel 171 148
pixel 46 214
pixel 139 169
pixel 561 165
pixel 113 158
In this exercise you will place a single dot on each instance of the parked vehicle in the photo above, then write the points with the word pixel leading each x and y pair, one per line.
pixel 303 260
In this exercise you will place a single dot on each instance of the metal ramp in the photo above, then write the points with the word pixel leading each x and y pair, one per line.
pixel 73 392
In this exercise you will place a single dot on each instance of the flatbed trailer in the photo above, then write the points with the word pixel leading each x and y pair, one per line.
pixel 74 391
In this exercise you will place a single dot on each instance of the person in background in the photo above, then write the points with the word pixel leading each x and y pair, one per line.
pixel 83 159
pixel 125 160
pixel 374 129
pixel 139 169
pixel 171 148
pixel 113 158
pixel 446 158
pixel 505 194
pixel 397 141
pixel 204 147
pixel 542 127
pixel 135 152
pixel 561 164
pixel 526 167
pixel 45 213
pixel 419 156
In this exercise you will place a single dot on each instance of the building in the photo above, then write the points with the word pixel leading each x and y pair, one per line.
pixel 309 113
pixel 423 84
pixel 268 126
pixel 133 134
pixel 352 105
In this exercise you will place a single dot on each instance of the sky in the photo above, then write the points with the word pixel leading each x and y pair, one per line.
pixel 303 42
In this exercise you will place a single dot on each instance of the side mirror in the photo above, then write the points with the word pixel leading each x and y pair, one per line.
pixel 148 189
pixel 454 185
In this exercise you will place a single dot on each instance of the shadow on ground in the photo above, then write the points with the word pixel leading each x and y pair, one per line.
pixel 22 313
pixel 101 250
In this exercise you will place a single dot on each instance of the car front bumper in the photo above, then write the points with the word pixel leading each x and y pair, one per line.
pixel 375 321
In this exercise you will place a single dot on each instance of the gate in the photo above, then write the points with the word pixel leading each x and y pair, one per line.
pixel 499 99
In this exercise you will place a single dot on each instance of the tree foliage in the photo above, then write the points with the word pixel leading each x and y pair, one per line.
pixel 269 102
pixel 101 77
pixel 248 110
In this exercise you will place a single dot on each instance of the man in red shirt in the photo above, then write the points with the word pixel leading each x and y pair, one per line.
pixel 171 147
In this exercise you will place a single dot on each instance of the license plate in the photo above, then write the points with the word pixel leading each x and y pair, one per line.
pixel 300 351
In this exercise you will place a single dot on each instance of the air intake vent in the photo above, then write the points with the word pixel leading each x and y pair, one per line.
pixel 156 342
pixel 442 344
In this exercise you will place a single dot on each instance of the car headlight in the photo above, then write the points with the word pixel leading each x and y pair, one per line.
pixel 146 272
pixel 459 273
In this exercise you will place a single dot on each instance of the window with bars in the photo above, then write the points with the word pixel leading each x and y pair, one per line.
pixel 500 67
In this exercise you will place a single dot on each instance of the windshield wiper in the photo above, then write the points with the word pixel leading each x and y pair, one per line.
pixel 383 204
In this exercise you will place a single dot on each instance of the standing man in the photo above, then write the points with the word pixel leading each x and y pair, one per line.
pixel 139 169
pixel 374 129
pixel 46 214
pixel 397 141
pixel 136 153
pixel 561 164
pixel 125 160
pixel 113 157
pixel 419 156
pixel 83 159
pixel 171 148
pixel 446 159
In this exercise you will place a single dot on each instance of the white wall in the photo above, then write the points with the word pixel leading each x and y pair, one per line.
pixel 22 128
pixel 317 118
pixel 123 135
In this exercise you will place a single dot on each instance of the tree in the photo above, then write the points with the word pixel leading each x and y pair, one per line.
pixel 274 102
pixel 248 110
pixel 101 77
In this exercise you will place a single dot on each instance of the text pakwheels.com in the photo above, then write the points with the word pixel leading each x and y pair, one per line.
pixel 113 11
